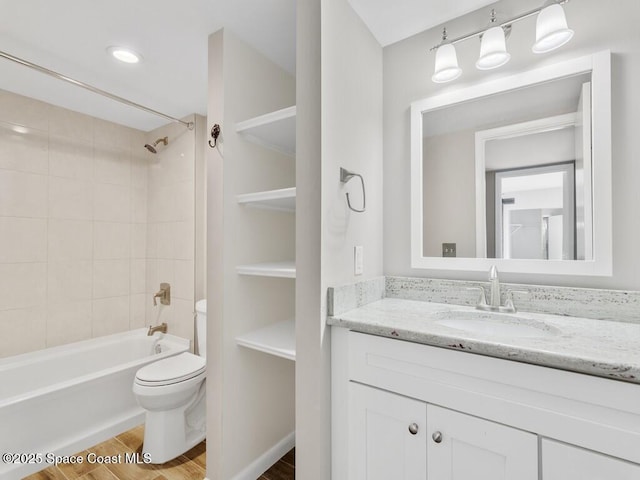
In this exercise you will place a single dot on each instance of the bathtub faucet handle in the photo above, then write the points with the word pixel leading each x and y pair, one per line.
pixel 164 294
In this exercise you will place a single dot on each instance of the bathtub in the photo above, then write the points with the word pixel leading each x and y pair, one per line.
pixel 65 399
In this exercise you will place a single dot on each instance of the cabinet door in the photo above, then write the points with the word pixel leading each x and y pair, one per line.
pixel 381 444
pixel 472 448
pixel 566 462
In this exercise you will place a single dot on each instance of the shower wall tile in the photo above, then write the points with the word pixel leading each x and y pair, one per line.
pixel 111 278
pixel 23 194
pixel 70 158
pixel 110 315
pixel 138 240
pixel 73 217
pixel 70 199
pixel 139 171
pixel 112 166
pixel 112 203
pixel 70 239
pixel 137 311
pixel 137 276
pixel 184 279
pixel 23 330
pixel 23 149
pixel 70 124
pixel 22 285
pixel 69 281
pixel 111 240
pixel 23 239
pixel 68 322
pixel 24 111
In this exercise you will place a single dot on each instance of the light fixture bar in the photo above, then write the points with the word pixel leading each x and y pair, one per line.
pixel 91 88
pixel 477 33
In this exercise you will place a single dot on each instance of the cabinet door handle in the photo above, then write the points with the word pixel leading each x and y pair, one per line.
pixel 413 428
pixel 437 437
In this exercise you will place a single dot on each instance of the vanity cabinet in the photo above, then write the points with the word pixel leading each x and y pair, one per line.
pixel 566 462
pixel 404 410
pixel 392 436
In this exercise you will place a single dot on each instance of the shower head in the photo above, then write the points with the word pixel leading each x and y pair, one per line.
pixel 152 148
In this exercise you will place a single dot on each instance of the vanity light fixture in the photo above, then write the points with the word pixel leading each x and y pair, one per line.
pixel 551 32
pixel 551 29
pixel 124 54
pixel 493 47
pixel 447 68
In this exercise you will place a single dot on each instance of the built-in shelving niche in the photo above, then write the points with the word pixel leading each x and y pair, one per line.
pixel 277 131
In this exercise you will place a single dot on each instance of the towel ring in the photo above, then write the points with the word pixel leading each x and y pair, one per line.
pixel 345 176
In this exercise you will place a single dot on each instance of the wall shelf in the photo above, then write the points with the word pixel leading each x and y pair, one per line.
pixel 283 200
pixel 278 339
pixel 275 130
pixel 269 269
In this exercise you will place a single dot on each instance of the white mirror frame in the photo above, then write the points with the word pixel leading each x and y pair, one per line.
pixel 599 64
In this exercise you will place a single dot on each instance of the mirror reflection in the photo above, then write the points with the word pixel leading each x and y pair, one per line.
pixel 510 175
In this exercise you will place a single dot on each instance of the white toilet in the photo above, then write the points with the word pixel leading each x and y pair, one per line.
pixel 172 391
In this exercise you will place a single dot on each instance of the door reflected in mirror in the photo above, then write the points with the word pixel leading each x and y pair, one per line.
pixel 510 175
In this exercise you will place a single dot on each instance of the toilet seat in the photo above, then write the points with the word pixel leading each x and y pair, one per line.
pixel 171 370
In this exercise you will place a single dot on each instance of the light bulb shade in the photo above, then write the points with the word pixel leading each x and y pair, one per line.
pixel 551 29
pixel 493 49
pixel 447 68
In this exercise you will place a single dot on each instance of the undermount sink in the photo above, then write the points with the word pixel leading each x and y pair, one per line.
pixel 495 324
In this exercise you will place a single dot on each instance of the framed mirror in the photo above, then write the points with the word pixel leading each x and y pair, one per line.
pixel 516 172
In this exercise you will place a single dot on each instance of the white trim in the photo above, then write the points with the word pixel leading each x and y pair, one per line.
pixel 282 200
pixel 600 66
pixel 267 459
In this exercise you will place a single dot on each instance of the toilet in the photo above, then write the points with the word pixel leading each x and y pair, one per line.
pixel 172 391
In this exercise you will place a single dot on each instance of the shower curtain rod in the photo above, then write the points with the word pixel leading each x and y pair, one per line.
pixel 93 89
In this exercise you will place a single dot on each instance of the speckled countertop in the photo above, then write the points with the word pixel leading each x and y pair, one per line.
pixel 596 347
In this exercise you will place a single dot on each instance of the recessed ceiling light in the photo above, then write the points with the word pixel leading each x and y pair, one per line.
pixel 125 55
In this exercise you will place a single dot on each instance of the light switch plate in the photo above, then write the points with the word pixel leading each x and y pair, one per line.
pixel 358 260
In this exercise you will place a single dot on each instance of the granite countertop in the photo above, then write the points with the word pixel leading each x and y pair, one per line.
pixel 596 347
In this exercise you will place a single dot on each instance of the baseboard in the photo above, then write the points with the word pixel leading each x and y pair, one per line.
pixel 267 459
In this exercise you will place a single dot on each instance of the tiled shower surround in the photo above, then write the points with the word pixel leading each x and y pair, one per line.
pixel 80 249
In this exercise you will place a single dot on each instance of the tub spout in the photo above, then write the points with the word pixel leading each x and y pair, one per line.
pixel 159 328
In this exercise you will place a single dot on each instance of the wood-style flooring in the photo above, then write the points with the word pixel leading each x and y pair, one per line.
pixel 283 469
pixel 189 466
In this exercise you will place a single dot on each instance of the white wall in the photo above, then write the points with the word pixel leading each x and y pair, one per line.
pixel 407 72
pixel 345 109
pixel 252 403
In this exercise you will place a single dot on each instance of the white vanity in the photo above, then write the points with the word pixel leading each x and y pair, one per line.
pixel 404 407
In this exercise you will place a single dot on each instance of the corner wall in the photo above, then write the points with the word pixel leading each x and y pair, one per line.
pixel 339 124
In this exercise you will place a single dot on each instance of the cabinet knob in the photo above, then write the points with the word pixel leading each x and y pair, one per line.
pixel 413 428
pixel 437 437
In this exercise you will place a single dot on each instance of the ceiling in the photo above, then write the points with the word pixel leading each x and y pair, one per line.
pixel 391 20
pixel 71 37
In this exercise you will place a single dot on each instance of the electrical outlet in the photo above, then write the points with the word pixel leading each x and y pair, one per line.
pixel 358 260
pixel 448 249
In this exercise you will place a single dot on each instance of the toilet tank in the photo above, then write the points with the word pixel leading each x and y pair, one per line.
pixel 201 327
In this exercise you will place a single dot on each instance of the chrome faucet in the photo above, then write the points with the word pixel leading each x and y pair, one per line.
pixel 159 328
pixel 494 295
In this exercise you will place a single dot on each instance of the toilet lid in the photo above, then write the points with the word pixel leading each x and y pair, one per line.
pixel 171 370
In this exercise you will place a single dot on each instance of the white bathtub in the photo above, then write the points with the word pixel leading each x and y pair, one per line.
pixel 65 399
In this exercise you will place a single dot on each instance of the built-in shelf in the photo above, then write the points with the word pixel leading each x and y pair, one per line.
pixel 270 269
pixel 282 200
pixel 278 339
pixel 275 130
